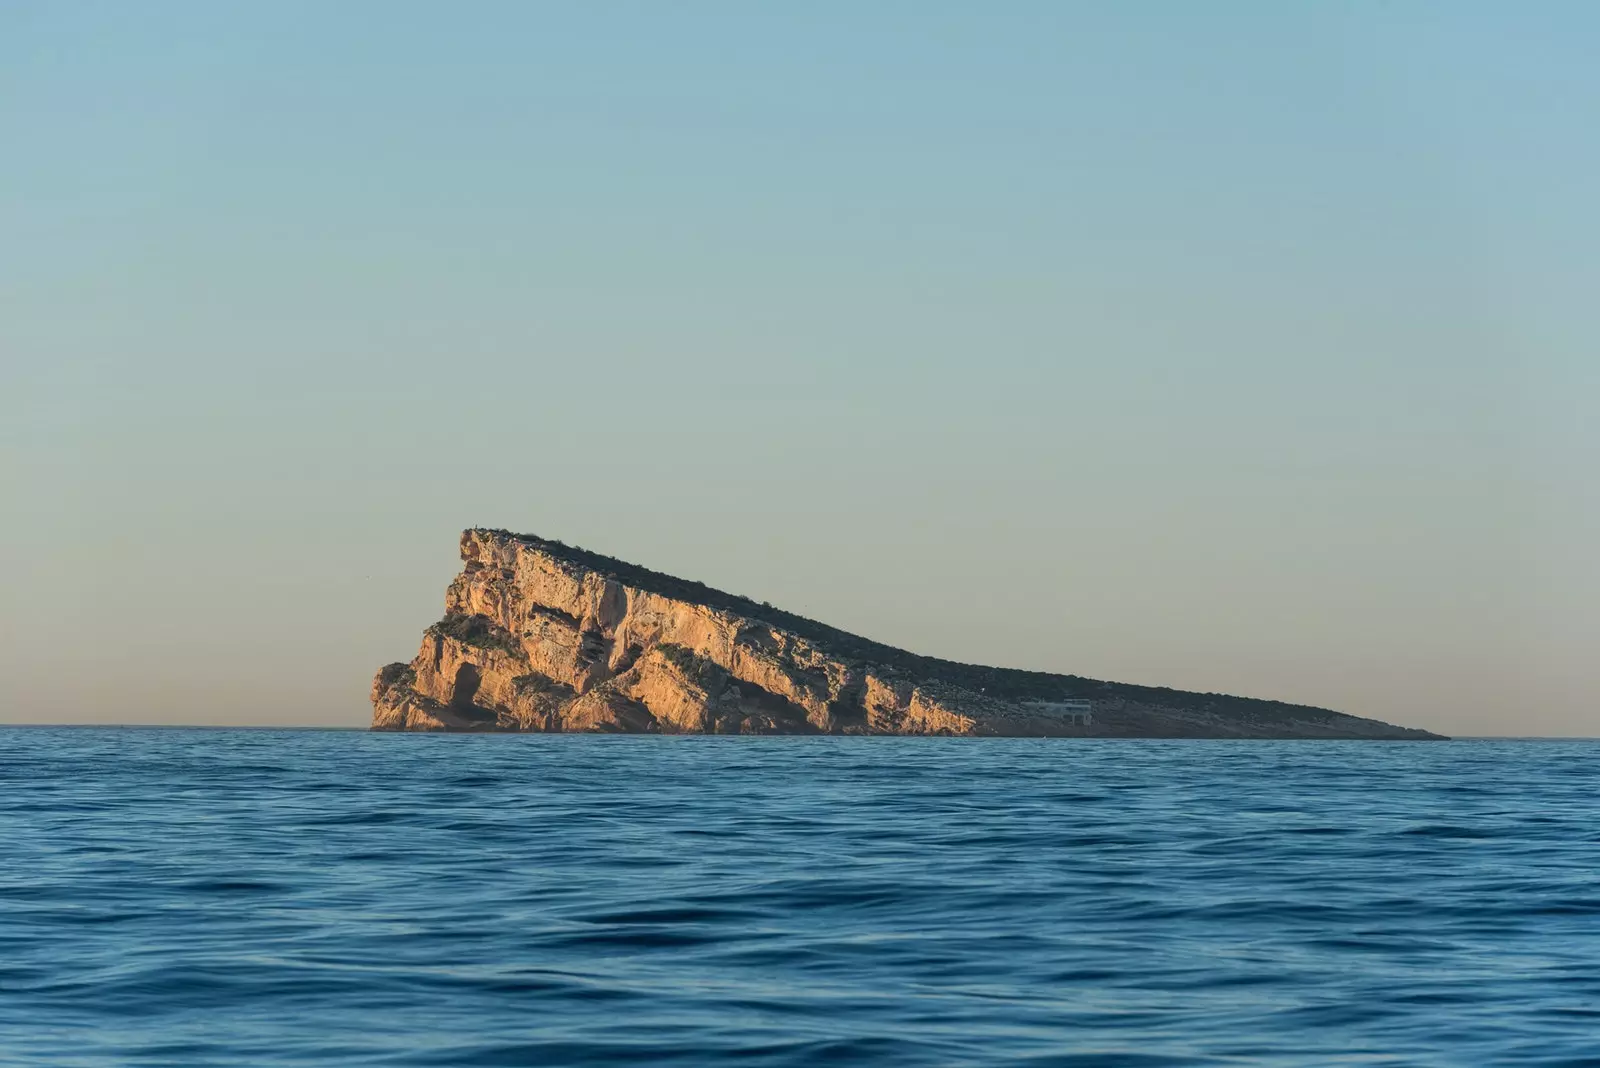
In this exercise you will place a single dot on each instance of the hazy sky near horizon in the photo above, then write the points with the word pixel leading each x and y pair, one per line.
pixel 1247 347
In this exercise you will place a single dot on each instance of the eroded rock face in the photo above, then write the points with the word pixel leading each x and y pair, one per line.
pixel 538 636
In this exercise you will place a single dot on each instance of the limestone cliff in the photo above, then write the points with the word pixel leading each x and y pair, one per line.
pixel 540 636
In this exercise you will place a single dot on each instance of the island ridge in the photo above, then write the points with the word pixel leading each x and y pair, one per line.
pixel 541 636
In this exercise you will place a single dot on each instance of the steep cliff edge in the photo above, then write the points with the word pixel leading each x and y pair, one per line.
pixel 540 636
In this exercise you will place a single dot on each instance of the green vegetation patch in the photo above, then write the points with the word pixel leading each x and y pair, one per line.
pixel 537 684
pixel 478 631
pixel 399 674
pixel 694 667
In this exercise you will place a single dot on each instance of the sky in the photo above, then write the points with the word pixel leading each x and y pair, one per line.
pixel 1244 347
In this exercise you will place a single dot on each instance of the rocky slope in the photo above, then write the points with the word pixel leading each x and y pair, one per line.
pixel 540 636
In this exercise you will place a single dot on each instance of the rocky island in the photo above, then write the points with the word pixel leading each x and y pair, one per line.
pixel 541 636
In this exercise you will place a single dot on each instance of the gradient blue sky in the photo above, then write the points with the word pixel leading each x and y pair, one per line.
pixel 1237 346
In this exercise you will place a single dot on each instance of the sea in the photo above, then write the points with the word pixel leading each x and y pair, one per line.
pixel 259 897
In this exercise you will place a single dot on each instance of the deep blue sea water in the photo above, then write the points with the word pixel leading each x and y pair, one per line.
pixel 188 897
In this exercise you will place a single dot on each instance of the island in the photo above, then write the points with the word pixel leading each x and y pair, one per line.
pixel 542 636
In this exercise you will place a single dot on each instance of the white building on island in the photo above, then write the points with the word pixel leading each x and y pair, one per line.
pixel 1075 710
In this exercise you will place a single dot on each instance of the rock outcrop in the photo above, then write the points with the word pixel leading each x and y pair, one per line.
pixel 540 636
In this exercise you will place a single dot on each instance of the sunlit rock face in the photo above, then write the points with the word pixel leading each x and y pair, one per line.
pixel 540 636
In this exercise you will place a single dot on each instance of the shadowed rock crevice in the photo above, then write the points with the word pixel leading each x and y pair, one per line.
pixel 846 712
pixel 465 688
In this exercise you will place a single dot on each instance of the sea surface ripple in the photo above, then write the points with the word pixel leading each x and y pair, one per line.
pixel 189 897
